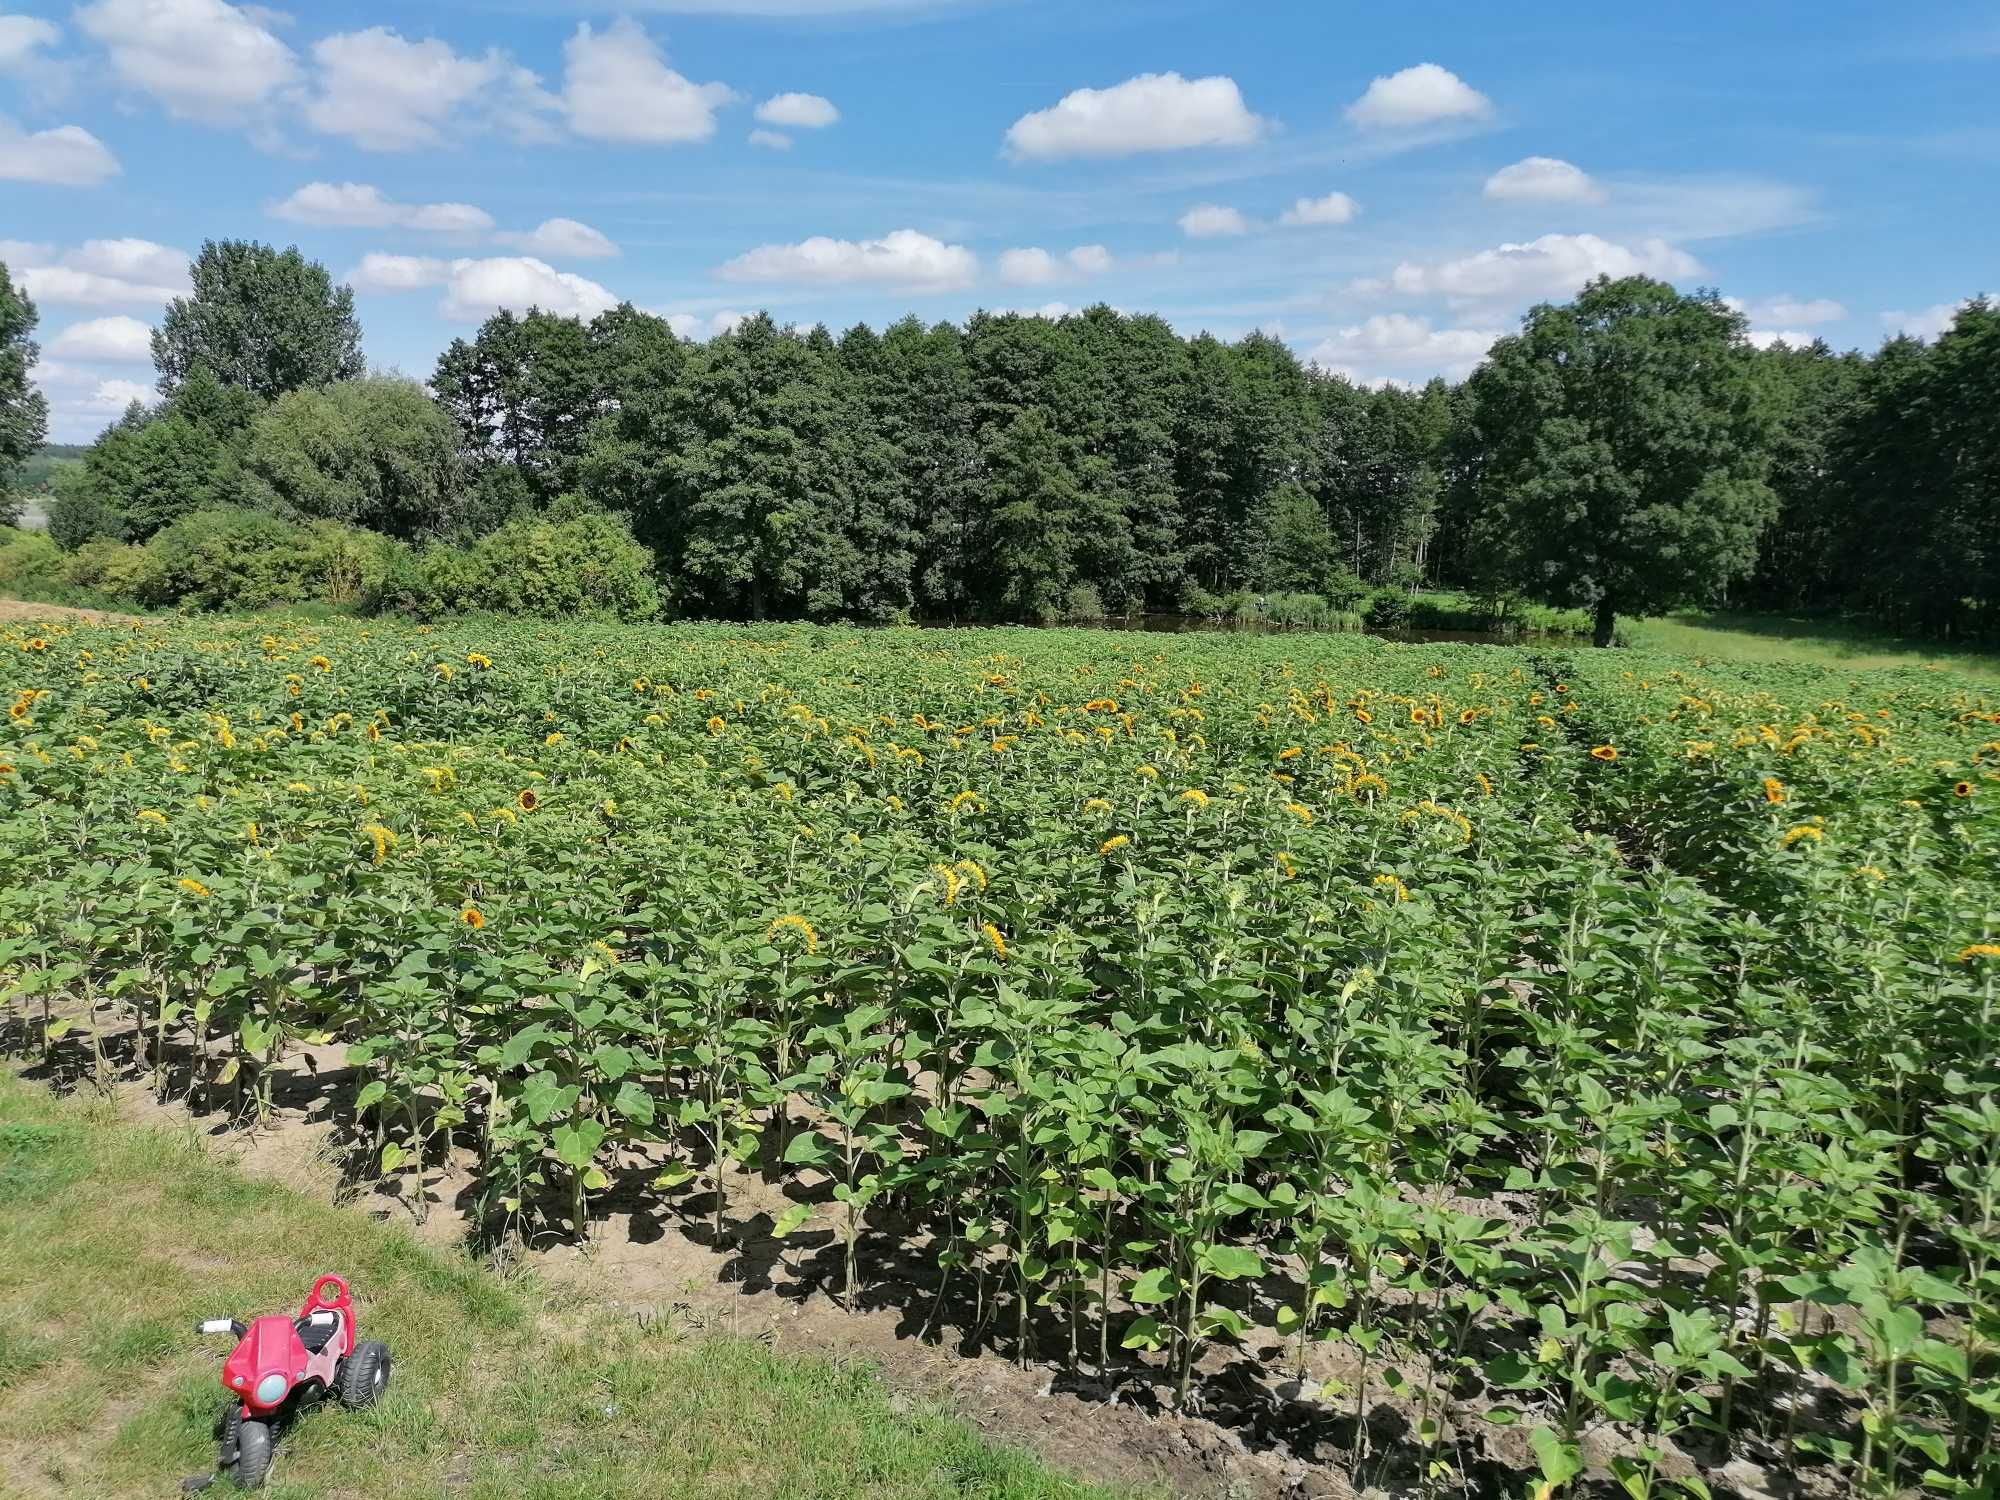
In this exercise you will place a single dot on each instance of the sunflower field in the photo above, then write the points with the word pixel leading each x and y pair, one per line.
pixel 1594 1045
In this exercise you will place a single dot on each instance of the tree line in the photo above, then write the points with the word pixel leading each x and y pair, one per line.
pixel 1626 451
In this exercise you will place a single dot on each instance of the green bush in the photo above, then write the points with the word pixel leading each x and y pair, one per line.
pixel 572 563
pixel 80 512
pixel 111 569
pixel 30 563
pixel 241 559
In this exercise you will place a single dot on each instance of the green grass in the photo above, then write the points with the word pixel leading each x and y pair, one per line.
pixel 116 1239
pixel 1816 641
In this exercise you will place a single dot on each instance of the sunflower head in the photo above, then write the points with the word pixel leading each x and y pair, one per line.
pixel 528 800
pixel 472 917
pixel 1604 752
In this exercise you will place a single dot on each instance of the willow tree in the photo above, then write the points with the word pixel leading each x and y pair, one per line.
pixel 1619 446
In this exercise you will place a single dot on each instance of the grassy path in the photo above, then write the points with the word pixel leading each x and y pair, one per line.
pixel 115 1239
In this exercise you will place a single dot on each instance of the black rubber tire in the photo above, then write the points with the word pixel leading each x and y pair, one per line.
pixel 253 1456
pixel 364 1375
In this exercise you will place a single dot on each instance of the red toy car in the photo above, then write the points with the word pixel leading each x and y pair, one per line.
pixel 280 1367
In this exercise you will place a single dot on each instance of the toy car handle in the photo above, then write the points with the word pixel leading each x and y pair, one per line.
pixel 321 1296
pixel 221 1325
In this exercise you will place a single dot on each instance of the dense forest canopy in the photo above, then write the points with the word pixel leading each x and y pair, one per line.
pixel 1626 451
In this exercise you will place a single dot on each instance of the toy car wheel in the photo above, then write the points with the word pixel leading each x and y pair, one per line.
pixel 364 1375
pixel 253 1456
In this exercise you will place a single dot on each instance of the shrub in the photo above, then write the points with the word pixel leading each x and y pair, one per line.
pixel 29 562
pixel 81 512
pixel 241 559
pixel 115 570
pixel 585 563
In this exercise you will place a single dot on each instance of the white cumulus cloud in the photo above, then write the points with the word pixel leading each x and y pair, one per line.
pixel 114 340
pixel 565 239
pixel 67 156
pixel 360 205
pixel 1334 208
pixel 1153 112
pixel 21 37
pixel 1924 323
pixel 1091 260
pixel 617 87
pixel 1764 338
pixel 701 329
pixel 1799 312
pixel 1423 95
pixel 385 92
pixel 1544 179
pixel 1208 221
pixel 203 60
pixel 1394 347
pixel 106 273
pixel 905 258
pixel 478 288
pixel 1030 267
pixel 798 111
pixel 1555 265
pixel 111 397
pixel 771 140
pixel 380 272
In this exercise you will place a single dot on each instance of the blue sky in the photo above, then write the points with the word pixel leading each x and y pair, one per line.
pixel 1386 187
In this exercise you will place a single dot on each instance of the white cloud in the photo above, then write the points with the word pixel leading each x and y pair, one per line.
pixel 1030 267
pixel 793 7
pixel 67 156
pixel 203 59
pixel 798 111
pixel 25 252
pixel 617 87
pixel 1334 208
pixel 21 37
pixel 1785 308
pixel 1925 323
pixel 700 329
pixel 397 273
pixel 117 340
pixel 1397 348
pixel 1033 266
pixel 387 93
pixel 1764 338
pixel 1555 265
pixel 1544 179
pixel 1422 95
pixel 106 273
pixel 1207 221
pixel 568 239
pixel 478 288
pixel 1153 112
pixel 111 397
pixel 771 140
pixel 359 205
pixel 905 259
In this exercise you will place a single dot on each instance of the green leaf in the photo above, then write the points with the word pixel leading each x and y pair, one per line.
pixel 791 1220
pixel 576 1143
pixel 1155 1285
pixel 1231 1262
pixel 807 1149
pixel 1144 1333
pixel 1561 1462
pixel 633 1103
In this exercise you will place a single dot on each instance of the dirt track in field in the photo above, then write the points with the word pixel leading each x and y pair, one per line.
pixel 23 610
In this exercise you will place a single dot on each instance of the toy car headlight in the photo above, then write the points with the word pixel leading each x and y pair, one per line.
pixel 271 1389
